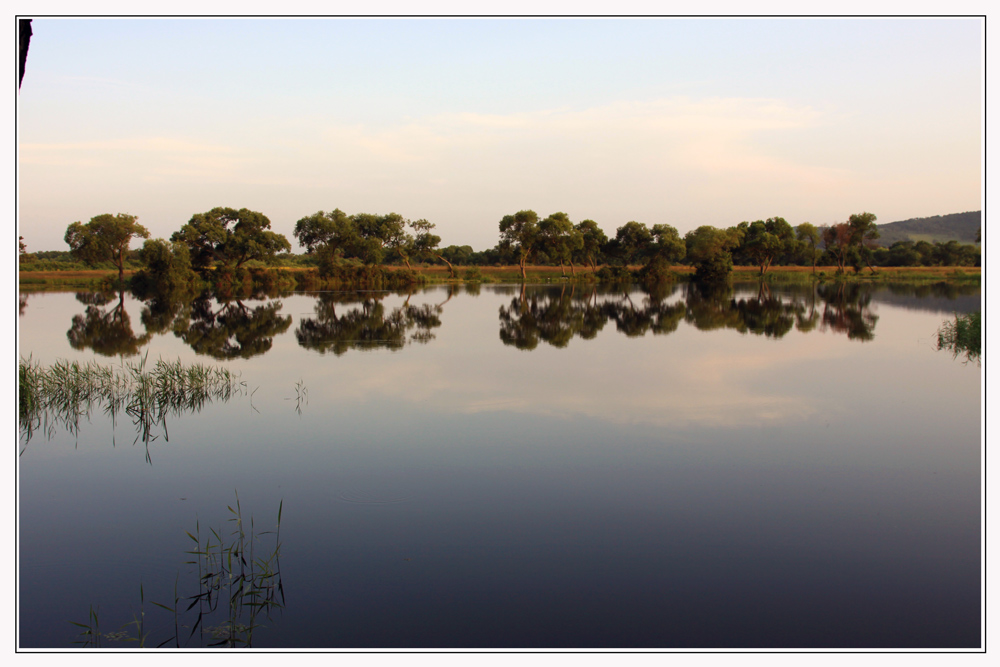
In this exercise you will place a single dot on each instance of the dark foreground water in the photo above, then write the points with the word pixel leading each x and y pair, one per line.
pixel 507 468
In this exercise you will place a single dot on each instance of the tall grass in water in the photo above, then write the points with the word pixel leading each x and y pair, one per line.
pixel 238 588
pixel 963 336
pixel 64 394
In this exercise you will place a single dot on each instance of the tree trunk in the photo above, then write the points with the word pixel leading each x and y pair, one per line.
pixel 451 269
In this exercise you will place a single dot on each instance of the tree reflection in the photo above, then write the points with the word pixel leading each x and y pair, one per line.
pixel 556 317
pixel 710 306
pixel 234 330
pixel 653 315
pixel 105 331
pixel 847 309
pixel 766 315
pixel 364 323
pixel 541 315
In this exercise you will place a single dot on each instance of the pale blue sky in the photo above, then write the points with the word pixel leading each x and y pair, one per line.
pixel 678 121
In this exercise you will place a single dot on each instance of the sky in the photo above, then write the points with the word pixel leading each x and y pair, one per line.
pixel 677 121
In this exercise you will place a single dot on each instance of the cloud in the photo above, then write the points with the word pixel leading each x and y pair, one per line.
pixel 711 137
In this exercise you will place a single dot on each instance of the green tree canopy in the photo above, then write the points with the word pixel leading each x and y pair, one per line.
pixel 559 239
pixel 167 265
pixel 634 242
pixel 230 237
pixel 519 232
pixel 806 233
pixel 765 240
pixel 837 239
pixel 593 239
pixel 105 238
pixel 864 233
pixel 710 250
pixel 334 230
pixel 667 244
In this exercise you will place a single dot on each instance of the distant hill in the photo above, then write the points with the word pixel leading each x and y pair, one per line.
pixel 961 227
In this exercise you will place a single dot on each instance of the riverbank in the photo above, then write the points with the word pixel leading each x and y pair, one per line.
pixel 88 279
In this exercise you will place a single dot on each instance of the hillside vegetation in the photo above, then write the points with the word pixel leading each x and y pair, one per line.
pixel 961 227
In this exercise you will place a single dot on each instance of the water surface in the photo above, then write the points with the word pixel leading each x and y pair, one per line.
pixel 501 467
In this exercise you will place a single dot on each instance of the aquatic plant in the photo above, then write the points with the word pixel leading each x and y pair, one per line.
pixel 63 394
pixel 963 336
pixel 239 586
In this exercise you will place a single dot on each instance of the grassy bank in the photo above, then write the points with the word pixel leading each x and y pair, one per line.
pixel 308 278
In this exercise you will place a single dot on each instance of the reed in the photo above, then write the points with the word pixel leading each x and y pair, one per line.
pixel 963 336
pixel 238 589
pixel 60 396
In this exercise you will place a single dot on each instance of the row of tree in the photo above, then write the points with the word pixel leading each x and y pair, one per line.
pixel 227 237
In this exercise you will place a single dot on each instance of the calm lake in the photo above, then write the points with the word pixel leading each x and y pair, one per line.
pixel 508 467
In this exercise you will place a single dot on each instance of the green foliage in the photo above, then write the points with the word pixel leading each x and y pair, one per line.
pixel 710 250
pixel 229 238
pixel 167 267
pixel 614 274
pixel 336 272
pixel 105 238
pixel 656 271
pixel 667 245
pixel 519 233
pixel 633 242
pixel 593 239
pixel 765 240
pixel 559 239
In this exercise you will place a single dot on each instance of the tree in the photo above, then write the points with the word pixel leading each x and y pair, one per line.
pixel 807 233
pixel 230 237
pixel 864 232
pixel 837 239
pixel 519 232
pixel 105 238
pixel 167 265
pixel 425 243
pixel 667 244
pixel 764 240
pixel 334 230
pixel 593 239
pixel 558 238
pixel 634 242
pixel 377 234
pixel 710 250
